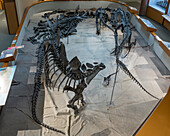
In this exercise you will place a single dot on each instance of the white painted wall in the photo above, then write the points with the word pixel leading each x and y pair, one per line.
pixel 21 5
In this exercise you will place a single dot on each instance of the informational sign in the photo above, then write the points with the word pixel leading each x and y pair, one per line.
pixel 7 53
pixel 6 77
pixel 148 23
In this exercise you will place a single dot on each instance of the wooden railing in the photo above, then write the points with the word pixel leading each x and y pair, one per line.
pixel 162 112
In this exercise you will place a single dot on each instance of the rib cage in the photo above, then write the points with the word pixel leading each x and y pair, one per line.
pixel 65 66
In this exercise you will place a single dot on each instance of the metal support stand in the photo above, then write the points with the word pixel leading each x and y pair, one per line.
pixel 114 84
pixel 68 40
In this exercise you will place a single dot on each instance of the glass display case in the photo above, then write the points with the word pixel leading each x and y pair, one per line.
pixel 159 5
pixel 166 17
pixel 168 13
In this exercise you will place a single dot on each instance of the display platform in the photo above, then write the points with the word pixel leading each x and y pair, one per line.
pixel 130 105
pixel 106 111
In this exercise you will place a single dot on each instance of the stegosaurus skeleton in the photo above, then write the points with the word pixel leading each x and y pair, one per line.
pixel 51 54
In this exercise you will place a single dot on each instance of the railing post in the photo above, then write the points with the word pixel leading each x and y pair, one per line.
pixel 143 7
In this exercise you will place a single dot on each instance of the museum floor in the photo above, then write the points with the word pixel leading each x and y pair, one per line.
pixel 14 119
pixel 5 38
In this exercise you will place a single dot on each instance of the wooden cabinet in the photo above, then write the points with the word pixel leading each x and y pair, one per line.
pixel 11 16
pixel 1 5
pixel 156 9
pixel 154 14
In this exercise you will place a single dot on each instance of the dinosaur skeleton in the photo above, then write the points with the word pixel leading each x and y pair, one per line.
pixel 66 22
pixel 52 56
pixel 75 72
pixel 114 20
